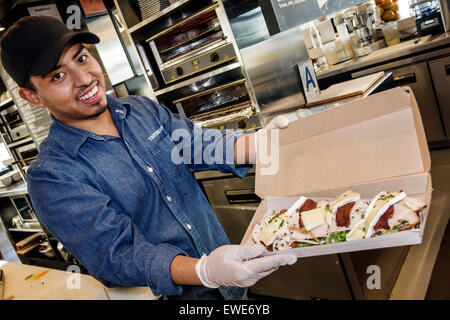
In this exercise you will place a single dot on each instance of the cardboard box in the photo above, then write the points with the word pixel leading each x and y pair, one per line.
pixel 368 145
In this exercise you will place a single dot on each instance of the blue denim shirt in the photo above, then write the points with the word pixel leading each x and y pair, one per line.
pixel 120 205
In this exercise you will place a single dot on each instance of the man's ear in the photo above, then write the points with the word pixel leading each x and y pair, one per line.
pixel 31 96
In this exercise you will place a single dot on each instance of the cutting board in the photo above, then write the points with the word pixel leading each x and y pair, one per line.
pixel 20 285
pixel 346 89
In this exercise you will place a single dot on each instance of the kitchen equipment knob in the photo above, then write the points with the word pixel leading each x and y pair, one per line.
pixel 179 71
pixel 214 57
pixel 241 124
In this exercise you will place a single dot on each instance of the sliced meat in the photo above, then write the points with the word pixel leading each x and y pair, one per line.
pixel 343 215
pixel 383 221
pixel 307 205
pixel 281 212
pixel 269 247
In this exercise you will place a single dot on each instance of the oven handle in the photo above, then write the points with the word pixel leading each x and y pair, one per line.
pixel 208 91
pixel 405 79
pixel 242 196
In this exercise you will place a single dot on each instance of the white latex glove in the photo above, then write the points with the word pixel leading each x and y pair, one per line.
pixel 238 265
pixel 279 122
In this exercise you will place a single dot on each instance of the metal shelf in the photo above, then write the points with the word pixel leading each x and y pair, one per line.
pixel 198 78
pixel 6 103
pixel 20 142
pixel 157 15
pixel 25 230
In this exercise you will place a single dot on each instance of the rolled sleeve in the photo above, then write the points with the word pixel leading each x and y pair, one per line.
pixel 230 167
pixel 159 271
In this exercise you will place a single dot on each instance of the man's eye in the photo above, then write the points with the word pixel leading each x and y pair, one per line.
pixel 82 58
pixel 58 76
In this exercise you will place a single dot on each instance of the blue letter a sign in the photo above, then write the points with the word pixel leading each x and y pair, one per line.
pixel 309 81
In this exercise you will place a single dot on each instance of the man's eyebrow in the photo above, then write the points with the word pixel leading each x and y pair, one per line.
pixel 80 48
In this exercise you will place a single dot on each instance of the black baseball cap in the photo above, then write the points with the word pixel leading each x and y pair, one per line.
pixel 33 45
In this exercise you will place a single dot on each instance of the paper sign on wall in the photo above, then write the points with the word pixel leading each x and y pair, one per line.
pixel 49 10
pixel 309 80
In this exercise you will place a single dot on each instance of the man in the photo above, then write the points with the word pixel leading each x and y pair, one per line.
pixel 105 183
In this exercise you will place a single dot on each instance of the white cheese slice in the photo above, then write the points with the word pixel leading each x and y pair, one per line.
pixel 379 208
pixel 343 199
pixel 297 204
pixel 357 232
pixel 270 231
pixel 313 218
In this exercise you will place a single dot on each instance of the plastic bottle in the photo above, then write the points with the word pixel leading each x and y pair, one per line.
pixel 344 36
pixel 315 36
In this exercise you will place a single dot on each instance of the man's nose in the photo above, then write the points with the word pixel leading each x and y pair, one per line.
pixel 81 77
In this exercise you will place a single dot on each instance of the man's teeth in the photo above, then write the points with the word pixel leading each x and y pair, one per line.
pixel 90 94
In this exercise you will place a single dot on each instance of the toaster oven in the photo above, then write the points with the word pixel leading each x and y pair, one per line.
pixel 191 45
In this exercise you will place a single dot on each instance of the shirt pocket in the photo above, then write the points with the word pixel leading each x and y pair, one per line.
pixel 161 147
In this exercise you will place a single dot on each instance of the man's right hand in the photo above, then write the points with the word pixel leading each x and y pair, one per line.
pixel 238 265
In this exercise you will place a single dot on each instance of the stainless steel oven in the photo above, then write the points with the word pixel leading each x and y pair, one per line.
pixel 191 45
pixel 226 106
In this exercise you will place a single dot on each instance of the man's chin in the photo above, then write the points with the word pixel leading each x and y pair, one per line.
pixel 100 110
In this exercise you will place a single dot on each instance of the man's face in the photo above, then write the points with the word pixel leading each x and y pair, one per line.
pixel 75 90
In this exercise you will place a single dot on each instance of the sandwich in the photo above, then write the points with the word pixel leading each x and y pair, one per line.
pixel 388 213
pixel 303 223
pixel 316 222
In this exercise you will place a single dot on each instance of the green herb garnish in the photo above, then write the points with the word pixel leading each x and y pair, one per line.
pixel 336 237
pixel 29 276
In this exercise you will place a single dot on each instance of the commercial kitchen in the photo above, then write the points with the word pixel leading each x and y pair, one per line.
pixel 236 65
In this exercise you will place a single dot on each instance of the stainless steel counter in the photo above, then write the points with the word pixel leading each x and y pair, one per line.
pixel 384 55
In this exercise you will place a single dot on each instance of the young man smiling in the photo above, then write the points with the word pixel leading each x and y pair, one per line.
pixel 110 194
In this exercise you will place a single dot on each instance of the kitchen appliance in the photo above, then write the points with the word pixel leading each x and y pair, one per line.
pixel 46 249
pixel 362 22
pixel 149 8
pixel 362 19
pixel 428 16
pixel 25 212
pixel 19 132
pixel 9 177
pixel 226 106
pixel 27 154
pixel 191 45
pixel 13 121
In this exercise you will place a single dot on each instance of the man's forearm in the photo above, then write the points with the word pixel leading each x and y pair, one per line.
pixel 182 270
pixel 244 149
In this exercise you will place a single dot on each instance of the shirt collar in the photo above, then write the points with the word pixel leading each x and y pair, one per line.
pixel 71 139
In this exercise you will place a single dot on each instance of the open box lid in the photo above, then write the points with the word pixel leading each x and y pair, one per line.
pixel 374 138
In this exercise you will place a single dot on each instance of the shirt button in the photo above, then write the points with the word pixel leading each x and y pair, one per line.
pixel 150 169
pixel 168 198
pixel 188 226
